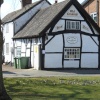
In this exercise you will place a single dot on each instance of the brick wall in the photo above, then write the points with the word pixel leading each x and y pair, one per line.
pixel 90 7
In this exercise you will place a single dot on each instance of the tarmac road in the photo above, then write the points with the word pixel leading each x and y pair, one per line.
pixel 9 71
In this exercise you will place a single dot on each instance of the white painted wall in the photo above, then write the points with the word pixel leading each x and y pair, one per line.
pixel 53 60
pixel 55 45
pixel 71 64
pixel 8 39
pixel 27 16
pixel 95 31
pixel 18 43
pixel 85 27
pixel 72 40
pixel 89 61
pixel 72 13
pixel 60 26
pixel 49 37
pixel 96 39
pixel 88 45
pixel 23 49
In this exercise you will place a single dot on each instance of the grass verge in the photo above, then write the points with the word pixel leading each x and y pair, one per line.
pixel 54 88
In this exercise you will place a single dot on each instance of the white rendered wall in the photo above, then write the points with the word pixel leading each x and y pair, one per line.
pixel 55 45
pixel 96 39
pixel 53 61
pixel 49 37
pixel 71 64
pixel 85 28
pixel 60 26
pixel 72 13
pixel 28 49
pixel 28 53
pixel 18 43
pixel 23 49
pixel 8 39
pixel 88 45
pixel 89 60
pixel 27 16
pixel 72 40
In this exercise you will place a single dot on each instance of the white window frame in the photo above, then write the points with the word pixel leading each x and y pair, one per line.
pixel 18 52
pixel 73 25
pixel 71 53
pixel 7 48
pixel 94 15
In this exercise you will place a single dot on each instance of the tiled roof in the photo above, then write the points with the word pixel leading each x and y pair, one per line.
pixel 16 14
pixel 45 18
pixel 41 20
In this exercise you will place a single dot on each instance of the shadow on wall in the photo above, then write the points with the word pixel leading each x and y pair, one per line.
pixel 77 71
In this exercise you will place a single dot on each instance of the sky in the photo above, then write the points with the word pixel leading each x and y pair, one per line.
pixel 12 5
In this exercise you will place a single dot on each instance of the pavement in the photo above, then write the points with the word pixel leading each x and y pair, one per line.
pixel 10 71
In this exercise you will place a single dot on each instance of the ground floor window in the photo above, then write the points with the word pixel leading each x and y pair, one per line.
pixel 7 48
pixel 71 53
pixel 18 52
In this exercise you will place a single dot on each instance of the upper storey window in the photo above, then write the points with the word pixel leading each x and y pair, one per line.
pixel 73 25
pixel 94 16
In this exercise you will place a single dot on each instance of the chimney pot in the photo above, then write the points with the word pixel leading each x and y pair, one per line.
pixel 56 1
pixel 26 2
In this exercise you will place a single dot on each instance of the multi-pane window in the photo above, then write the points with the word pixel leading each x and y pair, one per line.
pixel 7 48
pixel 73 25
pixel 94 16
pixel 18 51
pixel 71 53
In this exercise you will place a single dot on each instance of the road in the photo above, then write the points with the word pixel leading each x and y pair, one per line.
pixel 9 71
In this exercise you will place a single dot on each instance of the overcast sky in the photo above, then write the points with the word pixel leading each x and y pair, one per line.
pixel 11 5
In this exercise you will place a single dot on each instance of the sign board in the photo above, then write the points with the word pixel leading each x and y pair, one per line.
pixel 72 39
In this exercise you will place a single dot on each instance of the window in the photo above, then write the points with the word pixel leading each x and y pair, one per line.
pixel 71 53
pixel 18 52
pixel 7 48
pixel 7 28
pixel 73 25
pixel 94 16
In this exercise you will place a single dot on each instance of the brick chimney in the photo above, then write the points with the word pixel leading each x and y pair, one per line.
pixel 25 2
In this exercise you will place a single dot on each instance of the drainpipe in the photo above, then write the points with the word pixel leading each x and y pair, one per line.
pixel 97 10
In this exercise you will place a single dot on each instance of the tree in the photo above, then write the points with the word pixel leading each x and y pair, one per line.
pixel 3 93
